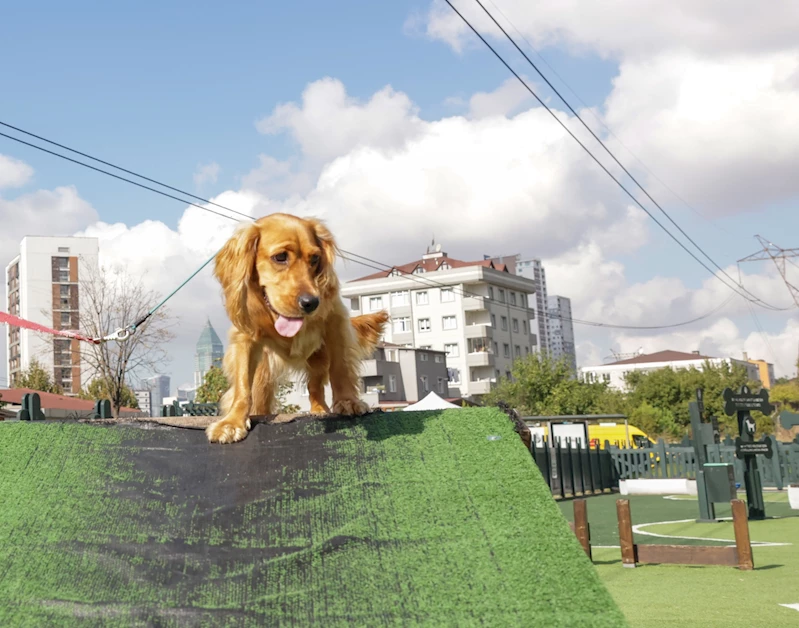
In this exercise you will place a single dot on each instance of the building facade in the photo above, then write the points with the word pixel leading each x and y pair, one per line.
pixel 477 313
pixel 159 390
pixel 209 352
pixel 43 285
pixel 534 270
pixel 144 399
pixel 395 376
pixel 561 331
pixel 615 373
pixel 765 369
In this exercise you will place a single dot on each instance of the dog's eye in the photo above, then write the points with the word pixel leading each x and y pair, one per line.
pixel 281 258
pixel 315 259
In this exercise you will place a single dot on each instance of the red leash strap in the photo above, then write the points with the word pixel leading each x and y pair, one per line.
pixel 16 321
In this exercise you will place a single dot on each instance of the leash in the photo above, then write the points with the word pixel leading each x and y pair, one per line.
pixel 120 335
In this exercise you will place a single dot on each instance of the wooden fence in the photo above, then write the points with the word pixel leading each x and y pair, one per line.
pixel 571 468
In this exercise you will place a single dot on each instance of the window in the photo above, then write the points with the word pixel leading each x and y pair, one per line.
pixel 63 276
pixel 423 357
pixel 424 324
pixel 65 319
pixel 524 300
pixel 392 383
pixel 507 374
pixel 515 325
pixel 502 296
pixel 62 263
pixel 355 304
pixel 491 293
pixel 518 351
pixel 375 303
pixel 504 320
pixel 394 273
pixel 399 299
pixel 506 350
pixel 449 322
pixel 451 350
pixel 441 388
pixel 447 295
pixel 439 358
pixel 496 348
pixel 418 270
pixel 454 376
pixel 402 324
pixel 513 298
pixel 426 347
pixel 494 321
pixel 63 249
pixel 497 374
pixel 444 266
pixel 422 298
pixel 527 350
pixel 64 291
pixel 425 384
pixel 478 345
pixel 524 328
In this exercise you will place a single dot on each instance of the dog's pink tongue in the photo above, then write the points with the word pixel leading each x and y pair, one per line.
pixel 288 327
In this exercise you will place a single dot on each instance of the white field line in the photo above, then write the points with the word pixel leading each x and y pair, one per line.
pixel 639 529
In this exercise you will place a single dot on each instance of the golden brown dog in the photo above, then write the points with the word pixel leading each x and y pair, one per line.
pixel 282 296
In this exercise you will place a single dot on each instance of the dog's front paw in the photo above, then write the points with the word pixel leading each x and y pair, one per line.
pixel 227 430
pixel 350 407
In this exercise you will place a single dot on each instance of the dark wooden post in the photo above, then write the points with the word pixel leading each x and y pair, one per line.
pixel 625 533
pixel 742 542
pixel 581 529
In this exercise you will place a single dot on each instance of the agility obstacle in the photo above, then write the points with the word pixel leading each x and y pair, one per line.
pixel 436 518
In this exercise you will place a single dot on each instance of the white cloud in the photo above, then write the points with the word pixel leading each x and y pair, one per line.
pixel 330 123
pixel 278 179
pixel 628 28
pixel 503 101
pixel 13 172
pixel 206 173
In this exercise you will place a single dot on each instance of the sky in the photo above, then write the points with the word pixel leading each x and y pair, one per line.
pixel 394 123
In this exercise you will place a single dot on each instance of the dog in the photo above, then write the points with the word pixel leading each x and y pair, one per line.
pixel 282 296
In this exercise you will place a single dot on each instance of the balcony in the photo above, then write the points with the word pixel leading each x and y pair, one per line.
pixel 482 358
pixel 479 331
pixel 481 387
pixel 473 304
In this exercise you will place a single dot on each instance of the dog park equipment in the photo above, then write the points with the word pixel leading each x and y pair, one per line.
pixel 436 518
pixel 715 482
pixel 741 404
pixel 31 409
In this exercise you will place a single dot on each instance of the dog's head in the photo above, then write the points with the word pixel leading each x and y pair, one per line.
pixel 279 271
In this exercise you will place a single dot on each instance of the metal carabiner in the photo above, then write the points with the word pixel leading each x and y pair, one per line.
pixel 121 334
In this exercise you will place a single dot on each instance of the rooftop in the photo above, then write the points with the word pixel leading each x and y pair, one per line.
pixel 14 396
pixel 208 337
pixel 663 356
pixel 431 263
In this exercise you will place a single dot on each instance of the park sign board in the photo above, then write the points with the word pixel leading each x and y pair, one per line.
pixel 746 401
pixel 744 449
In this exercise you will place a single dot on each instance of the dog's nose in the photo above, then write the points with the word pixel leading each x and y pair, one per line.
pixel 308 303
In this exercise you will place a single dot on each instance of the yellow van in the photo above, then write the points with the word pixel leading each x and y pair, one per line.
pixel 618 435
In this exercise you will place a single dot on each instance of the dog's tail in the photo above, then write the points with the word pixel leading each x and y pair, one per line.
pixel 368 329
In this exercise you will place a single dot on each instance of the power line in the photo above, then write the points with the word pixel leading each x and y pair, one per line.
pixel 600 164
pixel 604 125
pixel 384 266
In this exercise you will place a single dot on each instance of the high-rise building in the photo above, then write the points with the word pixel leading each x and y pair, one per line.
pixel 477 313
pixel 159 390
pixel 144 399
pixel 209 353
pixel 43 285
pixel 561 331
pixel 533 269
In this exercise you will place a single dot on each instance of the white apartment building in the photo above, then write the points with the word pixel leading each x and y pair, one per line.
pixel 533 269
pixel 561 330
pixel 43 286
pixel 615 372
pixel 477 313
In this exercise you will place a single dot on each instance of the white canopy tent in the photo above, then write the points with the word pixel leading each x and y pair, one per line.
pixel 431 402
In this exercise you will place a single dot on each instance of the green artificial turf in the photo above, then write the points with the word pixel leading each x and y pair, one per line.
pixel 394 519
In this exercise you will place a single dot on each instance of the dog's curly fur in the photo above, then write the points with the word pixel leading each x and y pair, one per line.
pixel 264 269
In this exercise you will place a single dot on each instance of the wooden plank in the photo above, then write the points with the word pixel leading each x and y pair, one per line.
pixel 687 555
pixel 625 532
pixel 581 529
pixel 743 546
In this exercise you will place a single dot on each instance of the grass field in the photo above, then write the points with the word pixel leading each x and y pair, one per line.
pixel 674 595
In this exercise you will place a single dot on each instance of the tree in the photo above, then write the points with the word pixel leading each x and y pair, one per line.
pixel 540 385
pixel 113 299
pixel 215 384
pixel 2 403
pixel 35 377
pixel 100 389
pixel 213 387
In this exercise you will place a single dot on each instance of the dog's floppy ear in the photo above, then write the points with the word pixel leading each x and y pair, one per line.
pixel 235 268
pixel 329 248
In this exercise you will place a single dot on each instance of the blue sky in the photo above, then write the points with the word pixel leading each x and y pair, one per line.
pixel 164 87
